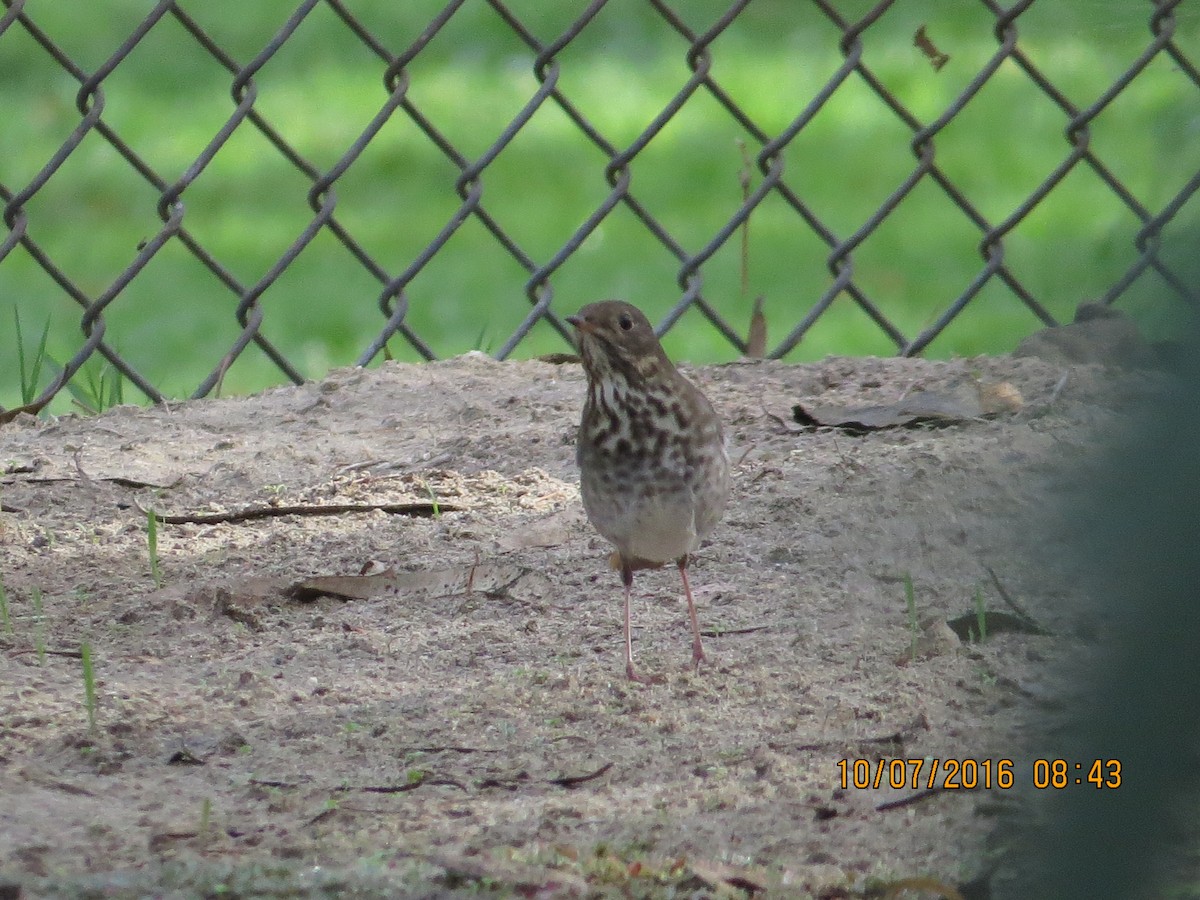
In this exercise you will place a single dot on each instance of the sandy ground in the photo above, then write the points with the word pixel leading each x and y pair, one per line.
pixel 466 728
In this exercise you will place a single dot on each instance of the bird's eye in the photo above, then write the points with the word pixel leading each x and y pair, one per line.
pixel 625 321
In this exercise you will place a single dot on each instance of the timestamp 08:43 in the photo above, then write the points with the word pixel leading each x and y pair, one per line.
pixel 936 773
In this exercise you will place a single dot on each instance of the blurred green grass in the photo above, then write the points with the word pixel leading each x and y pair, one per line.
pixel 168 98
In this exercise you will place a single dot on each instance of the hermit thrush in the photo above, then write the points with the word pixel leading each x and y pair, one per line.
pixel 653 469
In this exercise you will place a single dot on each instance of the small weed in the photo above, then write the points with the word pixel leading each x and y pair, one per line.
pixel 97 387
pixel 39 627
pixel 30 369
pixel 980 614
pixel 205 819
pixel 433 500
pixel 5 621
pixel 483 342
pixel 914 628
pixel 89 684
pixel 152 547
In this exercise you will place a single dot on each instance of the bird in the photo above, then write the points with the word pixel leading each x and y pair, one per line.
pixel 653 463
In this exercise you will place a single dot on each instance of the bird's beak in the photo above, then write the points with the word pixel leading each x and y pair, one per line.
pixel 582 324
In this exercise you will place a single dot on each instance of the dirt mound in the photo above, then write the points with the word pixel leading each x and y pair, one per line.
pixel 450 732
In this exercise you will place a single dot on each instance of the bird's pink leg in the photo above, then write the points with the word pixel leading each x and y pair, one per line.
pixel 697 648
pixel 627 578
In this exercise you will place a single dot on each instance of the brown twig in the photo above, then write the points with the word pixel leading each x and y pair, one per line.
pixel 570 781
pixel 908 800
pixel 70 654
pixel 721 632
pixel 400 788
pixel 418 510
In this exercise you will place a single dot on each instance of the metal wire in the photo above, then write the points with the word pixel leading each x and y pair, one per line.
pixel 617 166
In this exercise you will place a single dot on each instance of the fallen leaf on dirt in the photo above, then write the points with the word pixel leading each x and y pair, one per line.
pixel 486 578
pixel 241 600
pixel 1000 397
pixel 728 880
pixel 36 776
pixel 919 408
pixel 966 626
pixel 552 532
pixel 237 598
pixel 184 757
pixel 936 639
pixel 148 469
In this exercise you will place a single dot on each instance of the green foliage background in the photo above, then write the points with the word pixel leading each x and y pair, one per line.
pixel 168 98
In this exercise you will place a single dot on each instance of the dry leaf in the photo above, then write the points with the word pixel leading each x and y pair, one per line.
pixel 552 532
pixel 486 578
pixel 756 340
pixel 1001 397
pixel 919 408
pixel 966 626
pixel 729 880
pixel 936 57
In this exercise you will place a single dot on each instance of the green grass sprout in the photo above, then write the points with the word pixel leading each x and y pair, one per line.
pixel 433 500
pixel 914 629
pixel 31 368
pixel 97 387
pixel 89 684
pixel 205 820
pixel 980 614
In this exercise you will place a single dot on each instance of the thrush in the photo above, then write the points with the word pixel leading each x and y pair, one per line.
pixel 654 472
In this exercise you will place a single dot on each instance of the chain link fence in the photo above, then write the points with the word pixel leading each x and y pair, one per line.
pixel 809 161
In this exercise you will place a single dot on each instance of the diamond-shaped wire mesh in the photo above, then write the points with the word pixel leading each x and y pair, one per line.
pixel 252 187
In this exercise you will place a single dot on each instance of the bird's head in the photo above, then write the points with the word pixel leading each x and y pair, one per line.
pixel 616 340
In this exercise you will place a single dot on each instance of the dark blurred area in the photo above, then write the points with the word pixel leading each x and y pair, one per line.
pixel 1136 527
